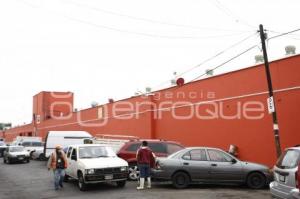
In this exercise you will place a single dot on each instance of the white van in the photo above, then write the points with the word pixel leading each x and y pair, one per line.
pixel 64 139
pixel 116 142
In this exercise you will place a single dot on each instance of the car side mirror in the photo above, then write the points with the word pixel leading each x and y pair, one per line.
pixel 233 161
pixel 74 157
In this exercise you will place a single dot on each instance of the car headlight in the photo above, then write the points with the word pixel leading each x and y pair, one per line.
pixel 90 171
pixel 12 155
pixel 123 168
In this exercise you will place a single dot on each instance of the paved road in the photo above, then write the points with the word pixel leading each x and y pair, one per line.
pixel 30 181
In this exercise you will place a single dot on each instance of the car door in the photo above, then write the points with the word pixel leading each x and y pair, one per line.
pixel 196 163
pixel 72 161
pixel 224 168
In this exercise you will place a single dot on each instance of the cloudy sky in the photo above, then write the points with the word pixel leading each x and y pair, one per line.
pixel 111 49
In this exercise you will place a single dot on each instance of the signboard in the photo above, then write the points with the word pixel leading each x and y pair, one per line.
pixel 271 105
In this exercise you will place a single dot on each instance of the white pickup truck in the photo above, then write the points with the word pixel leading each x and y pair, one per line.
pixel 92 163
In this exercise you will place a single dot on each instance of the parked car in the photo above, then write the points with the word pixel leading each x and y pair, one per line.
pixel 285 174
pixel 160 148
pixel 15 154
pixel 64 139
pixel 38 154
pixel 295 192
pixel 20 139
pixel 92 163
pixel 2 148
pixel 32 146
pixel 210 166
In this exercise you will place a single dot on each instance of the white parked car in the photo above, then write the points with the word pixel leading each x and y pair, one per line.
pixel 38 154
pixel 93 163
pixel 286 178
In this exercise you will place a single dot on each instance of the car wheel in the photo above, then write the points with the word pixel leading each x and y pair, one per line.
pixel 4 160
pixel 121 184
pixel 42 157
pixel 28 161
pixel 134 173
pixel 81 184
pixel 66 178
pixel 31 155
pixel 180 180
pixel 256 180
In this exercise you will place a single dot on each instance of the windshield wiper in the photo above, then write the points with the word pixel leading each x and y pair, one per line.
pixel 86 157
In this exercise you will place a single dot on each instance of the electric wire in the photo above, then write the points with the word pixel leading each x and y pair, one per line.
pixel 211 58
pixel 129 31
pixel 283 34
pixel 145 19
pixel 229 13
pixel 229 60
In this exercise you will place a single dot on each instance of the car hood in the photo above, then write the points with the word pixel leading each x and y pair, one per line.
pixel 102 162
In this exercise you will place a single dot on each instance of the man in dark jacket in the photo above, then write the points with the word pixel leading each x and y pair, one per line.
pixel 144 159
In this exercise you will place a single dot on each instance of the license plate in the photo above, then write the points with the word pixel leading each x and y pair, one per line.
pixel 282 178
pixel 108 177
pixel 20 158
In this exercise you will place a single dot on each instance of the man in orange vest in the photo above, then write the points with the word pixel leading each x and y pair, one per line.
pixel 58 163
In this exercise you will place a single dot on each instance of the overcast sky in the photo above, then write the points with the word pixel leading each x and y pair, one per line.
pixel 110 49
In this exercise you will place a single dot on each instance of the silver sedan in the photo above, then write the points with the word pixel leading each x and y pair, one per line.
pixel 209 166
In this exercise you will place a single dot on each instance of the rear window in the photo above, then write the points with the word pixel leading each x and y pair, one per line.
pixel 289 159
pixel 133 147
pixel 158 147
pixel 172 148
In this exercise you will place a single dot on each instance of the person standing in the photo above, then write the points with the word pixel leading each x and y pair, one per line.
pixel 58 163
pixel 145 159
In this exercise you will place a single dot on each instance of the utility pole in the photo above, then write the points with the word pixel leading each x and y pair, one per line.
pixel 271 101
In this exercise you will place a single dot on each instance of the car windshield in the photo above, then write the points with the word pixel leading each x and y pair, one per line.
pixel 37 144
pixel 16 149
pixel 95 152
pixel 289 159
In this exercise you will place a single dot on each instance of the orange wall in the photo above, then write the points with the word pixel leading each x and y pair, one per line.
pixel 254 138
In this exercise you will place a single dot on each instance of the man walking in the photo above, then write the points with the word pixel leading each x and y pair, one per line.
pixel 145 159
pixel 58 163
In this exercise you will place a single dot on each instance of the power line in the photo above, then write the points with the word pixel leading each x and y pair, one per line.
pixel 211 58
pixel 231 59
pixel 229 13
pixel 132 32
pixel 145 19
pixel 283 34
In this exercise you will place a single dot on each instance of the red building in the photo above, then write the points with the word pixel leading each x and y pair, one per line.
pixel 218 111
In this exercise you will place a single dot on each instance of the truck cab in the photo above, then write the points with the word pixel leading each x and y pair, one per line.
pixel 92 163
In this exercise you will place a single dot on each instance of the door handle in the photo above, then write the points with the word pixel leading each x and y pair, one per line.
pixel 185 163
pixel 214 165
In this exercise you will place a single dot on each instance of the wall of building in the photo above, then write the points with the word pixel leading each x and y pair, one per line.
pixel 208 112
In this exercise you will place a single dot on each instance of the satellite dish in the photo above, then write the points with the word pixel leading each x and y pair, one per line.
pixel 180 81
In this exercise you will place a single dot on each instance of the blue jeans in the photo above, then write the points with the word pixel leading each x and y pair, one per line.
pixel 59 175
pixel 144 170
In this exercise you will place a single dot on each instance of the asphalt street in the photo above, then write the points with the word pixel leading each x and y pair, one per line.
pixel 33 180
